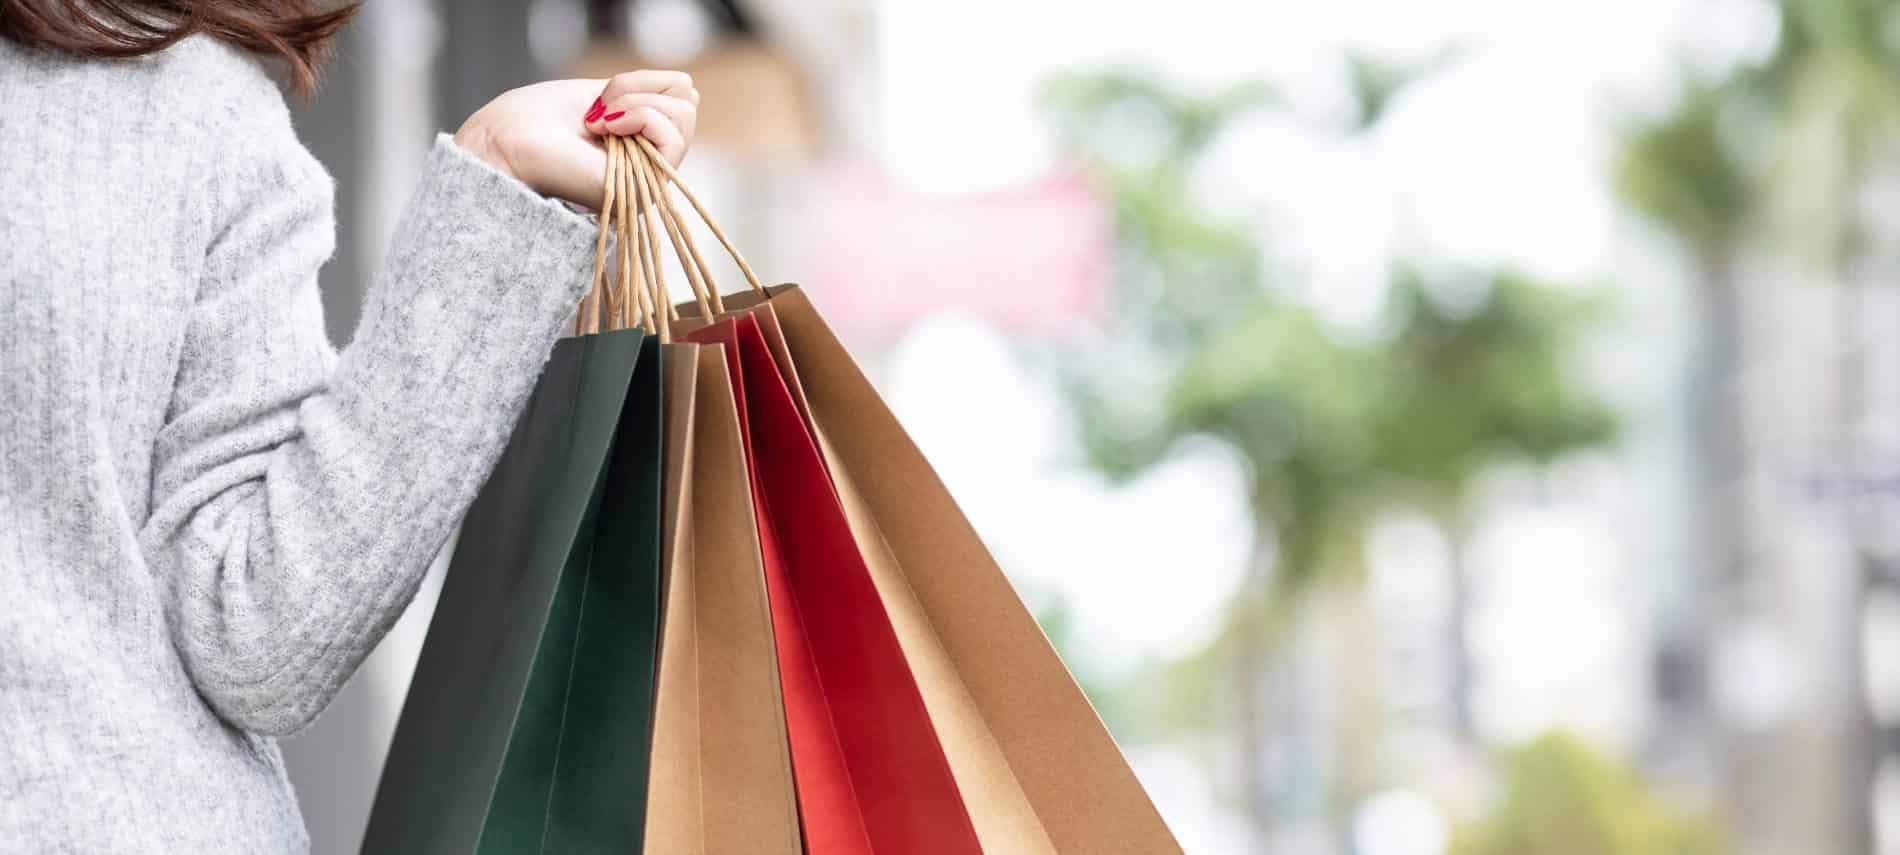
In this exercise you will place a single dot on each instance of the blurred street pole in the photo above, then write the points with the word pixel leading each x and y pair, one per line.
pixel 334 126
pixel 330 762
pixel 485 52
pixel 1863 750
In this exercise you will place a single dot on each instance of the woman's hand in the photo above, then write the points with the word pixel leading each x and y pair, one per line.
pixel 548 134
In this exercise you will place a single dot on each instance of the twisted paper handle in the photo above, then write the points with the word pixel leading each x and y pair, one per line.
pixel 703 285
pixel 620 296
pixel 636 207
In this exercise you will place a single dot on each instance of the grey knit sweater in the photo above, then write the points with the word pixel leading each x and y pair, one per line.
pixel 207 516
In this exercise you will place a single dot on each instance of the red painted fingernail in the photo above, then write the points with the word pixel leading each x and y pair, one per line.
pixel 595 111
pixel 612 116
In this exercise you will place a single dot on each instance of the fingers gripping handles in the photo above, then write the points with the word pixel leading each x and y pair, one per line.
pixel 636 208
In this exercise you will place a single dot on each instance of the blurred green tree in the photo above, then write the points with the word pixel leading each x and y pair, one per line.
pixel 1199 342
pixel 1563 798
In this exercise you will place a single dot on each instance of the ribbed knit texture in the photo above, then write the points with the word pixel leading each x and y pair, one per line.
pixel 207 516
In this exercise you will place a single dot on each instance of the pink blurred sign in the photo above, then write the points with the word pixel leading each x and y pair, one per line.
pixel 1032 259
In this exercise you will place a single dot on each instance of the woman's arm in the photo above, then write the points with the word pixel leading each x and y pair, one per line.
pixel 299 495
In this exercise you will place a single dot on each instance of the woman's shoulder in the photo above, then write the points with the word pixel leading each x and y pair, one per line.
pixel 199 122
pixel 216 88
pixel 195 87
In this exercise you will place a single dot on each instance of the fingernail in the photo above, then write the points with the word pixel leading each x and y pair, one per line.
pixel 595 111
pixel 612 116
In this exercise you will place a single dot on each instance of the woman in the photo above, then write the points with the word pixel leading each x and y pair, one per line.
pixel 207 516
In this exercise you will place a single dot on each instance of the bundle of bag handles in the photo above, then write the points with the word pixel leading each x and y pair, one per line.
pixel 636 207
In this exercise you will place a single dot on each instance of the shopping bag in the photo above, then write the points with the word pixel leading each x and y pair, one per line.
pixel 491 679
pixel 673 794
pixel 1037 769
pixel 526 724
pixel 721 778
pixel 598 778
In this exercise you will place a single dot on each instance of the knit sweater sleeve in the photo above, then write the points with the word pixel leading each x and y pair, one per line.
pixel 299 495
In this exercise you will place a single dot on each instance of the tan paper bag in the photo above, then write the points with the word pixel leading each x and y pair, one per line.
pixel 721 780
pixel 673 809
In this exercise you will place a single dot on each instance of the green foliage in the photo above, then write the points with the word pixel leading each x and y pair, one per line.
pixel 1562 798
pixel 1462 388
pixel 1680 171
pixel 1821 108
pixel 1199 343
pixel 1833 89
pixel 1203 338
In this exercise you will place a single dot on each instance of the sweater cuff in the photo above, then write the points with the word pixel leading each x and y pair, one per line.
pixel 535 237
pixel 483 275
pixel 489 252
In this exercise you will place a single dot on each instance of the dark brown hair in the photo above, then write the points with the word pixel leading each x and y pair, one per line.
pixel 295 31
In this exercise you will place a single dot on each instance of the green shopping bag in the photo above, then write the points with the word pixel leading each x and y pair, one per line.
pixel 528 725
pixel 599 781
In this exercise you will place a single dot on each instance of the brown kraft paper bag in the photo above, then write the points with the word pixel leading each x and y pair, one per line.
pixel 673 809
pixel 721 782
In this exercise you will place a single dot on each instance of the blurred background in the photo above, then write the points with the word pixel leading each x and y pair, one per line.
pixel 1452 428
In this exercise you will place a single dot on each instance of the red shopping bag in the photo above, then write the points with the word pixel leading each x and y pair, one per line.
pixel 871 774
